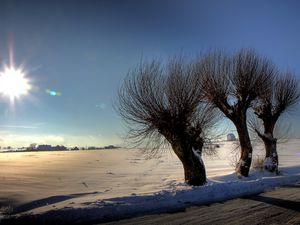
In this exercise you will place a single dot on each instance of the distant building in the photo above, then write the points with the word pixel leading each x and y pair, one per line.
pixel 110 147
pixel 231 137
pixel 44 147
pixel 50 147
pixel 59 147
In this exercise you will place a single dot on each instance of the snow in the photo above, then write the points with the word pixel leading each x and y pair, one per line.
pixel 195 152
pixel 268 163
pixel 111 184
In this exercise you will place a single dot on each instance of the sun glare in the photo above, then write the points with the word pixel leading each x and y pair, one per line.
pixel 13 83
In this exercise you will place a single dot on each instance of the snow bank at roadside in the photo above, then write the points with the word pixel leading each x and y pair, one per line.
pixel 177 197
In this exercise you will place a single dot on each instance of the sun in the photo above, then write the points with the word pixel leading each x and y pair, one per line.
pixel 13 83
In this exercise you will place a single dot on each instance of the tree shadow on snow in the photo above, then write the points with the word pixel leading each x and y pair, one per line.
pixel 46 201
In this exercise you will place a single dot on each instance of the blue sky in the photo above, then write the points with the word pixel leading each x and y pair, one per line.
pixel 84 49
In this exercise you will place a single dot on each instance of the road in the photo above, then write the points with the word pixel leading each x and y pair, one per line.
pixel 279 206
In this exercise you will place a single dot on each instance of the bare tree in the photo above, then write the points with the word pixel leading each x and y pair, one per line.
pixel 231 83
pixel 283 95
pixel 165 104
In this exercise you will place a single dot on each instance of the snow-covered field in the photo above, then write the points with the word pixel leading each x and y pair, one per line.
pixel 106 184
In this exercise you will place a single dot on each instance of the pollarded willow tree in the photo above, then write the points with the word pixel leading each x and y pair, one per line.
pixel 231 83
pixel 165 104
pixel 279 99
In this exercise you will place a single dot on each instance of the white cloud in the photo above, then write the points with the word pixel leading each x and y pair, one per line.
pixel 17 140
pixel 54 139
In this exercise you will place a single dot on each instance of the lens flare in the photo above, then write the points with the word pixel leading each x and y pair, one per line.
pixel 53 93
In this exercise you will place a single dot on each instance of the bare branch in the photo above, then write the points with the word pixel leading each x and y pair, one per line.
pixel 252 76
pixel 216 69
pixel 286 93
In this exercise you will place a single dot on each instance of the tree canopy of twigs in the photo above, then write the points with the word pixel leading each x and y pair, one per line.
pixel 165 104
pixel 281 97
pixel 231 82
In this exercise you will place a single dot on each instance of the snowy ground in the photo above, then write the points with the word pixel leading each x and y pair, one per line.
pixel 110 184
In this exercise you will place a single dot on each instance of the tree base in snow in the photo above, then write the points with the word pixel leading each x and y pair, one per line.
pixel 243 167
pixel 194 169
pixel 196 182
pixel 271 164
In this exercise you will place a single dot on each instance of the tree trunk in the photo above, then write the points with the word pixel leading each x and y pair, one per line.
pixel 271 160
pixel 194 169
pixel 244 164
